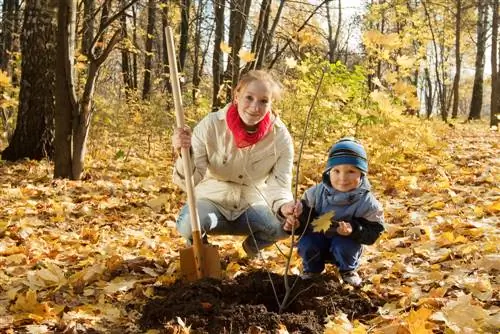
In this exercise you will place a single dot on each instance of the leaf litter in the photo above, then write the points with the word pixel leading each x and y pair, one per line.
pixel 101 255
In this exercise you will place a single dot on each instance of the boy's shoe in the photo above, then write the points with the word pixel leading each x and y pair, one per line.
pixel 309 275
pixel 352 278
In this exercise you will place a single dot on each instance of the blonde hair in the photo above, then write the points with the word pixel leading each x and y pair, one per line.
pixel 263 76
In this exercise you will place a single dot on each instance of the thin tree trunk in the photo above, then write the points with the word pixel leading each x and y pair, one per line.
pixel 184 39
pixel 495 80
pixel 217 60
pixel 333 41
pixel 458 59
pixel 126 68
pixel 237 28
pixel 166 68
pixel 196 52
pixel 88 25
pixel 260 36
pixel 65 90
pixel 148 61
pixel 477 89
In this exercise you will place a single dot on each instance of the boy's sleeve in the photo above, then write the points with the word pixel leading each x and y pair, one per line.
pixel 367 229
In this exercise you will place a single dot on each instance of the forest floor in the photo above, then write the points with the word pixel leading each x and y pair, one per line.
pixel 101 255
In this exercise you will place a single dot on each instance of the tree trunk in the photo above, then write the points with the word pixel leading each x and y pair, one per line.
pixel 135 73
pixel 126 68
pixel 237 28
pixel 88 25
pixel 197 67
pixel 166 68
pixel 34 133
pixel 217 59
pixel 495 80
pixel 458 60
pixel 65 91
pixel 261 35
pixel 72 115
pixel 8 45
pixel 477 89
pixel 333 41
pixel 148 61
pixel 184 39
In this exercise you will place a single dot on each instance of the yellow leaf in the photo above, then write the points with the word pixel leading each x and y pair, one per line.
pixel 322 223
pixel 493 208
pixel 225 48
pixel 417 321
pixel 28 303
pixel 246 55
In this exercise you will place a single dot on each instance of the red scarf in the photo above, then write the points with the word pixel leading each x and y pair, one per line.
pixel 241 136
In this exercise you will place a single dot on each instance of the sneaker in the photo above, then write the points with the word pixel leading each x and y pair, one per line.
pixel 309 275
pixel 352 278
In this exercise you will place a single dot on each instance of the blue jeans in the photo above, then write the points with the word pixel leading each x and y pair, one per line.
pixel 257 220
pixel 315 249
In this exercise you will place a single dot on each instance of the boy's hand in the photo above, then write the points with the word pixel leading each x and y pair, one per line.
pixel 344 228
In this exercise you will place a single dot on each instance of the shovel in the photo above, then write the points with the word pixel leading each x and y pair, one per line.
pixel 200 260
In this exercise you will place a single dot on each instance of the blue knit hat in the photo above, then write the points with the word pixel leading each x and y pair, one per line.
pixel 347 151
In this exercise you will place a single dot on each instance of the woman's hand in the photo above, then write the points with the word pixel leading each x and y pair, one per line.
pixel 181 138
pixel 344 228
pixel 291 211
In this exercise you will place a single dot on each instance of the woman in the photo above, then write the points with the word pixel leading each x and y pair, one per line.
pixel 243 159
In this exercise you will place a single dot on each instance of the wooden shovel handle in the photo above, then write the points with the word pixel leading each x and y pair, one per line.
pixel 186 156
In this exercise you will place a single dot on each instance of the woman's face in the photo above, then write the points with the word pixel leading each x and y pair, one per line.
pixel 254 102
pixel 345 178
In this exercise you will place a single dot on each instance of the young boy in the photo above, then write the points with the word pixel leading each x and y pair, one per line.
pixel 357 216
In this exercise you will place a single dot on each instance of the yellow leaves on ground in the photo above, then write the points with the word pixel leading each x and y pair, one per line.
pixel 28 307
pixel 323 223
pixel 95 246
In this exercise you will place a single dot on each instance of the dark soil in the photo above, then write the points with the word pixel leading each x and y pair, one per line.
pixel 234 306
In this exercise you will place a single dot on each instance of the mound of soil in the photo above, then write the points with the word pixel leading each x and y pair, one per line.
pixel 253 300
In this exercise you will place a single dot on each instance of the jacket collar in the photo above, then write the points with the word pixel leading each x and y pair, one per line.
pixel 336 197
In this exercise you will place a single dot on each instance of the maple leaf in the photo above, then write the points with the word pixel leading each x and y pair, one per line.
pixel 225 48
pixel 323 222
pixel 246 55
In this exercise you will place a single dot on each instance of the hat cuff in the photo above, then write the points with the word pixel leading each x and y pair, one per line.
pixel 347 160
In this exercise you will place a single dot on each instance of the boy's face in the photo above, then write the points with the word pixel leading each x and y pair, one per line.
pixel 345 178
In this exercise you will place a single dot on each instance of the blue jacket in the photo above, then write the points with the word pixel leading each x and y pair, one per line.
pixel 358 207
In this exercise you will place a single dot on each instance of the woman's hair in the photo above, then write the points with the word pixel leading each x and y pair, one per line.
pixel 263 76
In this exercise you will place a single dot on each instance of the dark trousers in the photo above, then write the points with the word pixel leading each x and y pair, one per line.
pixel 316 249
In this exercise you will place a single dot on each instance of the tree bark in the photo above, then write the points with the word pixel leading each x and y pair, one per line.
pixel 237 28
pixel 217 59
pixel 8 45
pixel 88 25
pixel 34 133
pixel 261 35
pixel 333 41
pixel 458 59
pixel 126 67
pixel 148 61
pixel 184 39
pixel 65 91
pixel 477 89
pixel 495 80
